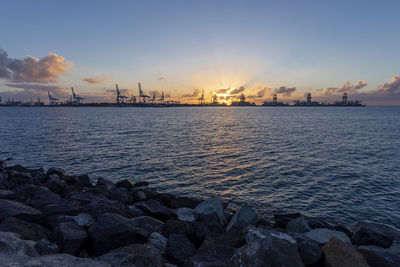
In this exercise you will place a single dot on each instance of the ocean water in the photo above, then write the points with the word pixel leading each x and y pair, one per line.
pixel 337 163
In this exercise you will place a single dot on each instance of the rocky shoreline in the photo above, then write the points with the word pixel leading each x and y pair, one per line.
pixel 56 219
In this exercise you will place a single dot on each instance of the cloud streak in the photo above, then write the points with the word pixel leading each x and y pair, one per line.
pixel 195 93
pixel 96 79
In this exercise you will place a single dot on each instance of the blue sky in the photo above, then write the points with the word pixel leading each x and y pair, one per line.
pixel 178 46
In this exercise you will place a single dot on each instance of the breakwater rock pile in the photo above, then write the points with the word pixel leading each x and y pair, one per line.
pixel 56 219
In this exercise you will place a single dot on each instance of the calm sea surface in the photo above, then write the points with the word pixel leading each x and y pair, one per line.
pixel 338 163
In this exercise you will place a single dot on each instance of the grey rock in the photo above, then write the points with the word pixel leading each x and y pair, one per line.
pixel 46 247
pixel 211 212
pixel 138 255
pixel 310 252
pixel 71 238
pixel 243 217
pixel 252 233
pixel 50 261
pixel 147 225
pixel 185 214
pixel 108 184
pixel 159 241
pixel 281 220
pixel 12 244
pixel 10 208
pixel 370 233
pixel 156 210
pixel 124 183
pixel 136 211
pixel 178 227
pixel 178 249
pixel 6 193
pixel 232 239
pixel 83 219
pixel 273 250
pixel 139 196
pixel 338 253
pixel 184 202
pixel 112 231
pixel 57 171
pixel 26 230
pixel 379 257
pixel 322 236
pixel 298 225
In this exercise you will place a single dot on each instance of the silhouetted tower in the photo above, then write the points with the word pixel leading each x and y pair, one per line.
pixel 215 99
pixel 118 93
pixel 201 98
pixel 344 98
pixel 308 98
pixel 275 99
pixel 162 98
pixel 154 97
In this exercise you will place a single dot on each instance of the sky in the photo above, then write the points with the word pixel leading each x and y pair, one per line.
pixel 258 48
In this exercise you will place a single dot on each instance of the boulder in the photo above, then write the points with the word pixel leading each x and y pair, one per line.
pixel 111 231
pixel 322 236
pixel 243 217
pixel 141 184
pixel 310 252
pixel 6 193
pixel 137 255
pixel 57 171
pixel 298 225
pixel 125 184
pixel 314 223
pixel 339 254
pixel 370 233
pixel 50 261
pixel 159 241
pixel 10 208
pixel 281 220
pixel 211 212
pixel 26 230
pixel 252 233
pixel 46 247
pixel 139 196
pixel 273 250
pixel 108 184
pixel 185 214
pixel 184 202
pixel 83 219
pixel 178 227
pixel 12 244
pixel 102 205
pixel 232 239
pixel 178 249
pixel 136 211
pixel 122 194
pixel 156 210
pixel 147 225
pixel 379 257
pixel 70 238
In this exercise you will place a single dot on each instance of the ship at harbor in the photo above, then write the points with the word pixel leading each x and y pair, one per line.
pixel 275 102
pixel 345 102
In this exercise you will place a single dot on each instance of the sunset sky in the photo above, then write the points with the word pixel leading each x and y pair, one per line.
pixel 182 47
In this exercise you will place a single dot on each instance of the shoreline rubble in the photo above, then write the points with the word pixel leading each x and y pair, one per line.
pixel 53 218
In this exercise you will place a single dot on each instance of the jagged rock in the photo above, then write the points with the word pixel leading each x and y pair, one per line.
pixel 6 193
pixel 147 225
pixel 211 253
pixel 178 227
pixel 200 231
pixel 140 184
pixel 122 195
pixel 310 252
pixel 46 247
pixel 184 202
pixel 83 219
pixel 322 236
pixel 71 238
pixel 243 217
pixel 159 241
pixel 125 183
pixel 343 229
pixel 298 225
pixel 108 184
pixel 272 250
pixel 10 208
pixel 136 211
pixel 137 255
pixel 102 205
pixel 233 239
pixel 101 190
pixel 339 254
pixel 185 215
pixel 111 231
pixel 379 257
pixel 251 233
pixel 178 249
pixel 281 220
pixel 26 230
pixel 370 233
pixel 58 208
pixel 83 180
pixel 50 261
pixel 139 196
pixel 211 212
pixel 57 171
pixel 156 210
pixel 12 244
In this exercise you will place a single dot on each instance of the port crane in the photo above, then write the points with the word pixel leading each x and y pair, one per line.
pixel 52 99
pixel 162 98
pixel 201 98
pixel 141 94
pixel 120 98
pixel 76 99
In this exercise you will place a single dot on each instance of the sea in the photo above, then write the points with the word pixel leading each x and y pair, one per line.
pixel 341 164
